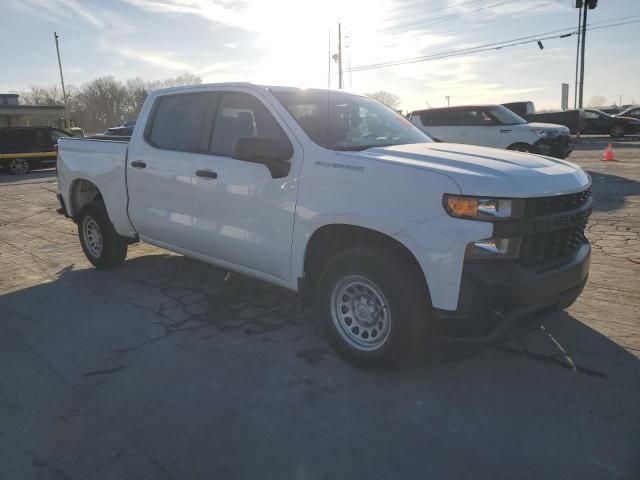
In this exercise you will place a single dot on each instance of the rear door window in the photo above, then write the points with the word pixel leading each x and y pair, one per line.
pixel 178 121
pixel 474 117
pixel 241 115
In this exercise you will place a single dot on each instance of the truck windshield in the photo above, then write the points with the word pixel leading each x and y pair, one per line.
pixel 341 121
pixel 506 116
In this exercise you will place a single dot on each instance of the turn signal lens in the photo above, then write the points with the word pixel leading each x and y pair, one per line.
pixel 462 206
pixel 483 208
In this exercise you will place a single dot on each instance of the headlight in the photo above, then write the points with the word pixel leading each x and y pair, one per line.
pixel 494 248
pixel 545 133
pixel 481 208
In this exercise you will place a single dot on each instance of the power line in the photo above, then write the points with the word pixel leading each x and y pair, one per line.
pixel 446 7
pixel 443 18
pixel 567 32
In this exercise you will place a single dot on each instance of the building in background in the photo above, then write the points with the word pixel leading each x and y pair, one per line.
pixel 12 114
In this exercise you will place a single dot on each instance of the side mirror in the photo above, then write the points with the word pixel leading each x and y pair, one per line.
pixel 273 152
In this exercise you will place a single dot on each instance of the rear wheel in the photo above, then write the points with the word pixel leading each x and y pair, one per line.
pixel 373 308
pixel 19 166
pixel 101 244
pixel 617 131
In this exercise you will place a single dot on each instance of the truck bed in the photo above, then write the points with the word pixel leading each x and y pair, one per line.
pixel 102 162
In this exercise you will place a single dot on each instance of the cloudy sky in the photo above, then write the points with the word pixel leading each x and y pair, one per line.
pixel 286 42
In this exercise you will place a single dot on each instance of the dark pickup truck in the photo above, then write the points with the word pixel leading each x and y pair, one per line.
pixel 572 119
pixel 587 120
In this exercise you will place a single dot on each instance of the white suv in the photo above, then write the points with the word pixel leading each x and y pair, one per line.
pixel 493 126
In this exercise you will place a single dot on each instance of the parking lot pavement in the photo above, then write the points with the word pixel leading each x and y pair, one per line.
pixel 167 368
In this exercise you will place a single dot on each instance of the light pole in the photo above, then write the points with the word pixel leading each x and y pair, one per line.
pixel 588 5
pixel 64 93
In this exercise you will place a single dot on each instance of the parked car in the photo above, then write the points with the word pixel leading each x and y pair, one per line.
pixel 493 126
pixel 596 121
pixel 633 112
pixel 26 148
pixel 76 131
pixel 121 131
pixel 393 238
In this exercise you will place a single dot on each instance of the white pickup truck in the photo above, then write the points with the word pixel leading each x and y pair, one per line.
pixel 393 238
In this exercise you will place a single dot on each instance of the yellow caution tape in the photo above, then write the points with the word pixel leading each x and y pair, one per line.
pixel 28 155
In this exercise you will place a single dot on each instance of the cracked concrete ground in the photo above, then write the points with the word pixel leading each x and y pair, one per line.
pixel 168 368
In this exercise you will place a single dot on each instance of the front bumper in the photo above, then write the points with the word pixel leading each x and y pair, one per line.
pixel 500 298
pixel 558 147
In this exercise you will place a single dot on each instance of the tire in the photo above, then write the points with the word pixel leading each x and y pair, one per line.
pixel 101 244
pixel 350 288
pixel 520 147
pixel 19 166
pixel 617 131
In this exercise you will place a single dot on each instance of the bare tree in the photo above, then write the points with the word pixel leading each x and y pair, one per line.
pixel 388 98
pixel 103 102
pixel 597 101
pixel 137 92
pixel 51 95
pixel 180 80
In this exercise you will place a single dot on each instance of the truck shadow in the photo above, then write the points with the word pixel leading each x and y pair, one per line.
pixel 134 340
pixel 610 191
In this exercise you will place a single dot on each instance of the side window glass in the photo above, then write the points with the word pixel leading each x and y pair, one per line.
pixel 178 121
pixel 40 138
pixel 428 118
pixel 241 115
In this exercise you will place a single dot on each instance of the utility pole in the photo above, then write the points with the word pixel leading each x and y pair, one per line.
pixel 64 93
pixel 575 85
pixel 584 41
pixel 447 97
pixel 620 104
pixel 586 5
pixel 339 57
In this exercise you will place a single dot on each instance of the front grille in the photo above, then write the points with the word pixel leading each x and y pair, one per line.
pixel 546 247
pixel 550 247
pixel 536 207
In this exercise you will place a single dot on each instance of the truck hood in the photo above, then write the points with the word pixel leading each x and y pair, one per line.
pixel 548 126
pixel 486 171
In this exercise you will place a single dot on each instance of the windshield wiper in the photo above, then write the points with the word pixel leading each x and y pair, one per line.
pixel 359 148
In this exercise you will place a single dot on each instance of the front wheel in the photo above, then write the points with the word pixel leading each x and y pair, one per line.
pixel 617 131
pixel 373 308
pixel 19 166
pixel 520 147
pixel 101 244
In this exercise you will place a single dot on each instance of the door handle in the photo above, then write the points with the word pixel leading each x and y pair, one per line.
pixel 138 164
pixel 505 130
pixel 206 174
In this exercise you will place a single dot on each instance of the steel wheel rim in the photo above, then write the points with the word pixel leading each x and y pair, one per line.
pixel 19 166
pixel 617 131
pixel 360 313
pixel 92 236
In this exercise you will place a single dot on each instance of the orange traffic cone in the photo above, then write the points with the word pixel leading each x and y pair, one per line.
pixel 608 154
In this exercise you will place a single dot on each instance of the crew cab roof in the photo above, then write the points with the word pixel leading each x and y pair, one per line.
pixel 457 107
pixel 253 86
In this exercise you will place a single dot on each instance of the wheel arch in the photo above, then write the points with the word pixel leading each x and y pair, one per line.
pixel 331 239
pixel 81 192
pixel 514 146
